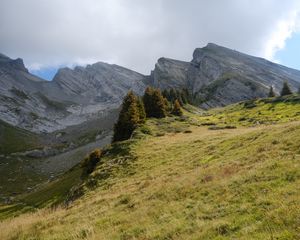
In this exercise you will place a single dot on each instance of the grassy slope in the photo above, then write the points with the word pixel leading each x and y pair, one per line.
pixel 180 180
pixel 14 139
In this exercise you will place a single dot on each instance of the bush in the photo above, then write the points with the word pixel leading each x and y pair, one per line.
pixel 90 162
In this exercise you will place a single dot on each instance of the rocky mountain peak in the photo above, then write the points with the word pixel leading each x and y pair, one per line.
pixel 216 76
pixel 19 64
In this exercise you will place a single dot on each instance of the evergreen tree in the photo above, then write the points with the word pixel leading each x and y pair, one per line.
pixel 173 96
pixel 285 89
pixel 159 107
pixel 271 92
pixel 178 97
pixel 184 97
pixel 154 103
pixel 187 96
pixel 166 94
pixel 167 105
pixel 177 109
pixel 141 109
pixel 148 101
pixel 128 118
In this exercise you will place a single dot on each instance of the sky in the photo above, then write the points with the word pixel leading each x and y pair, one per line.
pixel 49 34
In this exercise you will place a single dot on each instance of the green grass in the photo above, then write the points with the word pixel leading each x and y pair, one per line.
pixel 14 139
pixel 176 179
pixel 253 113
pixel 46 195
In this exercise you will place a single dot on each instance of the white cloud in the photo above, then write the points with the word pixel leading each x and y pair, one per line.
pixel 134 33
pixel 283 30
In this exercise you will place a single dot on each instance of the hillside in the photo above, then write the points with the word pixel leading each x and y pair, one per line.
pixel 228 173
pixel 14 139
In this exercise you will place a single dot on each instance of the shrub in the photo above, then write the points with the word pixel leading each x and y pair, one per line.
pixel 90 162
pixel 249 104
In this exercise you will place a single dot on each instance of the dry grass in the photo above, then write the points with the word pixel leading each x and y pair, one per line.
pixel 239 183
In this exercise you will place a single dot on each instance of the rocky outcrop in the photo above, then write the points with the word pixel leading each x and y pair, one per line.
pixel 73 97
pixel 169 73
pixel 216 76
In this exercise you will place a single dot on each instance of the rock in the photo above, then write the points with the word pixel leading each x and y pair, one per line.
pixel 216 76
pixel 219 76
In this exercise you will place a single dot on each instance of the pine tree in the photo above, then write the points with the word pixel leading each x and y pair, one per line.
pixel 184 97
pixel 128 118
pixel 271 92
pixel 154 103
pixel 285 89
pixel 173 96
pixel 187 96
pixel 141 109
pixel 166 94
pixel 159 107
pixel 177 109
pixel 178 97
pixel 148 101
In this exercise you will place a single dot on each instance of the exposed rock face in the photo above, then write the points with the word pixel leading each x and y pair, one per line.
pixel 73 97
pixel 169 73
pixel 100 82
pixel 217 76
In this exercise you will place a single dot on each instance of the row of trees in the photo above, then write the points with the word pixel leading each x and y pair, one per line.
pixel 135 110
pixel 286 90
pixel 183 96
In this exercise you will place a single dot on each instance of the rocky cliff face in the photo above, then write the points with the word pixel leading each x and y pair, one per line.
pixel 216 76
pixel 73 97
pixel 100 82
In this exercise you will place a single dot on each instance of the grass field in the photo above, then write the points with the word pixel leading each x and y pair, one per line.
pixel 184 178
pixel 14 139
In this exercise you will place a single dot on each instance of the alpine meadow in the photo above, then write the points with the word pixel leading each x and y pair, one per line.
pixel 205 147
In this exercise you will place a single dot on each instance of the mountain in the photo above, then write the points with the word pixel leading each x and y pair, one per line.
pixel 216 76
pixel 73 97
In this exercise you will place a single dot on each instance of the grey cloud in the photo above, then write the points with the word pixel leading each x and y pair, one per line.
pixel 133 33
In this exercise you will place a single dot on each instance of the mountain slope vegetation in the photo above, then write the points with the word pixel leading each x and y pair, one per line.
pixel 14 139
pixel 228 173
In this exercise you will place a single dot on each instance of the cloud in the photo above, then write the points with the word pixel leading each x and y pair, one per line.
pixel 134 33
pixel 283 30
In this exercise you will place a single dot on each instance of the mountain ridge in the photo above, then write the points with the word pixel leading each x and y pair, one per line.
pixel 216 76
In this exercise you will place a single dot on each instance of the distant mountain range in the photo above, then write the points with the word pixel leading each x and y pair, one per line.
pixel 216 76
